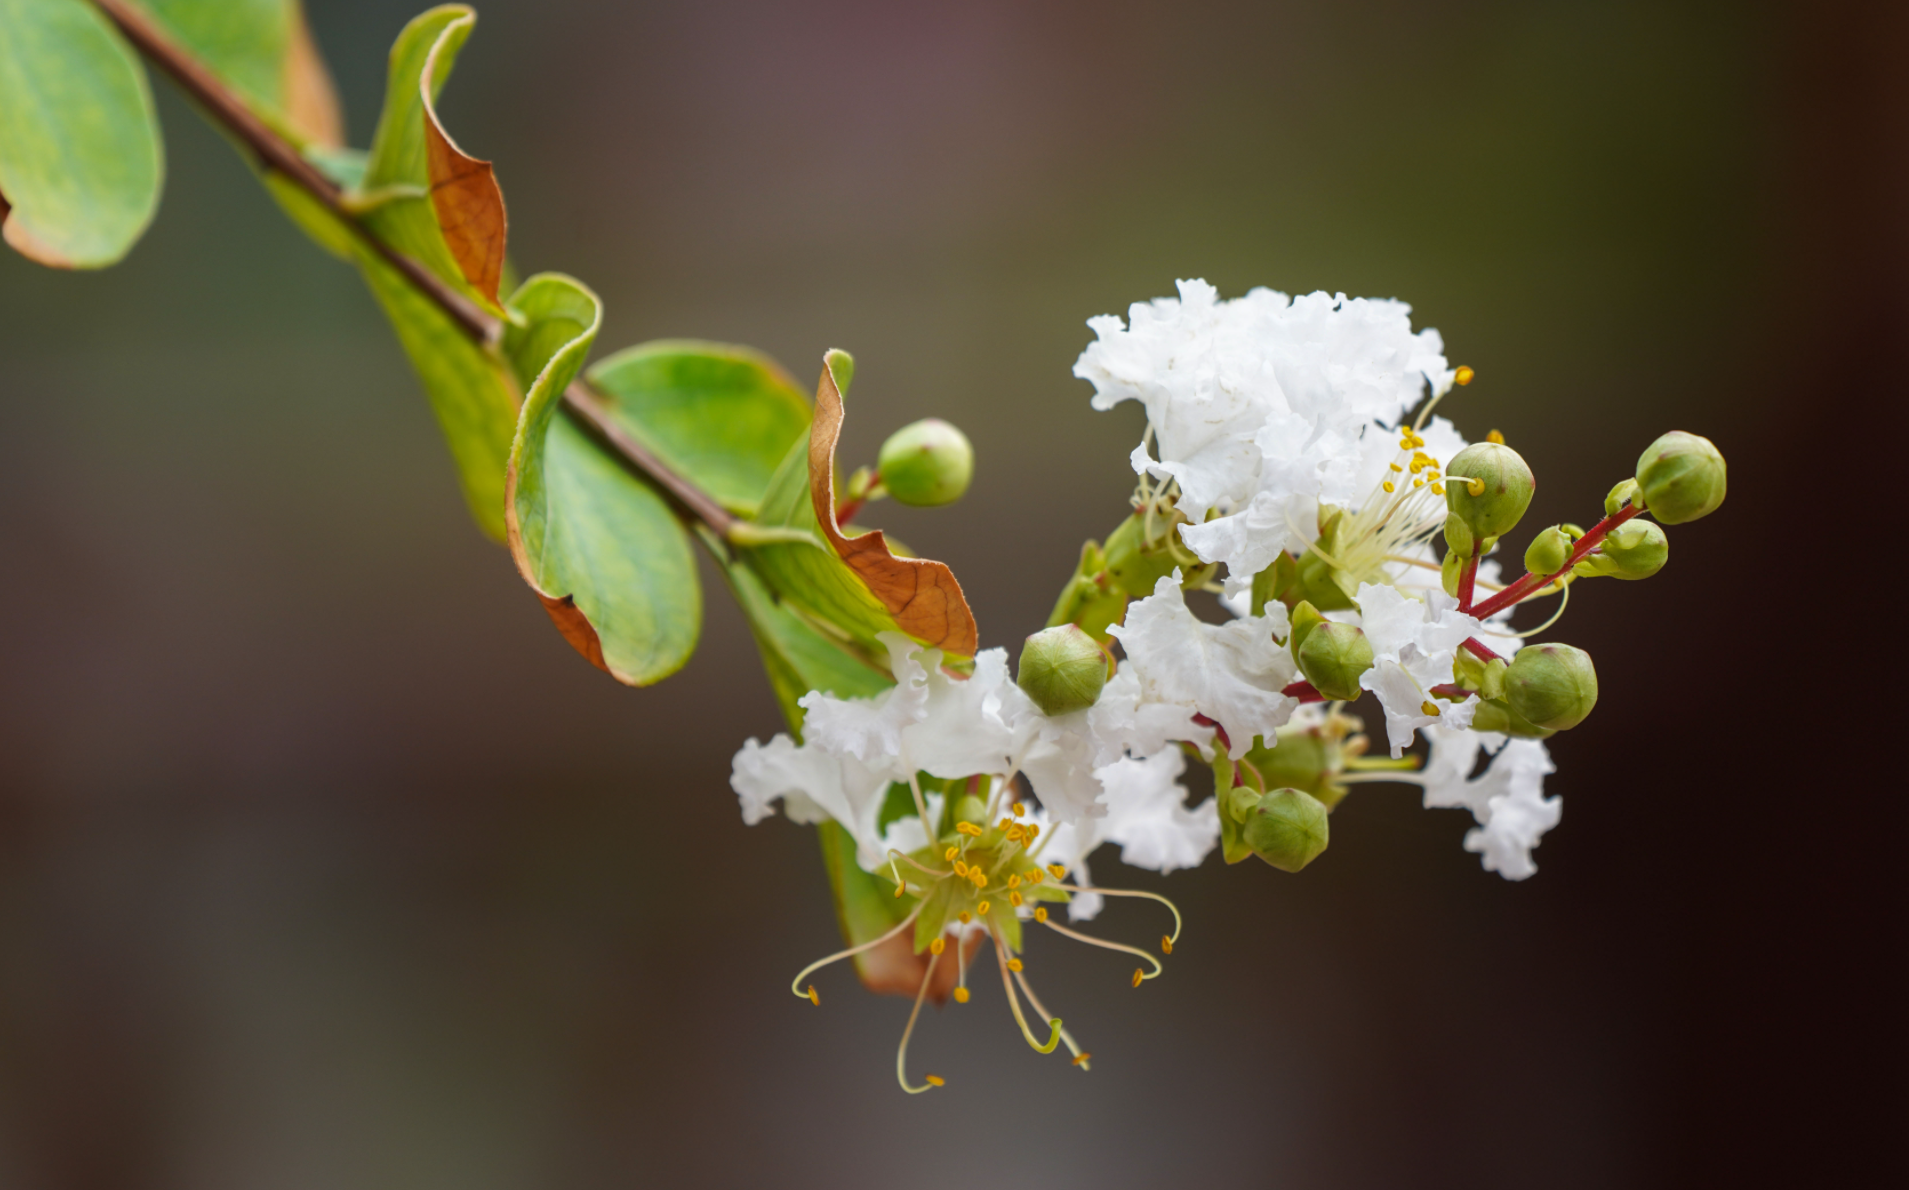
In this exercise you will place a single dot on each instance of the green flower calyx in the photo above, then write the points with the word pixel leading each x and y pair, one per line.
pixel 1287 829
pixel 1682 477
pixel 1552 686
pixel 1062 669
pixel 1333 657
pixel 1488 487
pixel 927 463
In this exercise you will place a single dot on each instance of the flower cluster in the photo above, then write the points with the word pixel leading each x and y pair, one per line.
pixel 1292 466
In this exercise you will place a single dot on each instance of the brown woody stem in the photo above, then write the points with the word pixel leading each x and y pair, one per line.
pixel 278 155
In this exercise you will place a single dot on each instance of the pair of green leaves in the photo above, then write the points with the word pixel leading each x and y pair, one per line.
pixel 81 159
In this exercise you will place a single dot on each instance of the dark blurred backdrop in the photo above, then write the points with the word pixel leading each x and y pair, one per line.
pixel 324 862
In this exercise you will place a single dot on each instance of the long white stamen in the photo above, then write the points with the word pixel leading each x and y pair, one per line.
pixel 1106 945
pixel 1014 1001
pixel 1133 892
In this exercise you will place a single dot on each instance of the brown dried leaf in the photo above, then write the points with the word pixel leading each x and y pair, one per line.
pixel 921 595
pixel 466 197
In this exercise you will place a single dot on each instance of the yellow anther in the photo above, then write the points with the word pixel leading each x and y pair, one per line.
pixel 1395 467
pixel 983 908
pixel 1475 486
pixel 1429 707
pixel 965 919
pixel 1138 975
pixel 1418 483
pixel 1014 833
pixel 951 853
pixel 961 995
pixel 1463 376
pixel 1014 899
pixel 1036 876
pixel 1166 945
pixel 980 877
pixel 813 997
pixel 899 890
pixel 1495 436
pixel 1080 1059
pixel 1004 824
pixel 935 1080
pixel 1014 882
pixel 1058 871
pixel 1033 832
pixel 938 945
pixel 1389 487
pixel 960 869
pixel 1040 913
pixel 1020 810
pixel 1438 489
pixel 968 828
pixel 1014 964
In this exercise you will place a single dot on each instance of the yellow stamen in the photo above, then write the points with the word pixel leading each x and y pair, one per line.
pixel 1166 944
pixel 1014 964
pixel 968 828
pixel 980 877
pixel 1388 486
pixel 815 997
pixel 1080 1059
pixel 1020 810
pixel 1014 899
pixel 1057 870
pixel 965 919
pixel 1429 707
pixel 951 853
pixel 899 890
pixel 1395 467
pixel 941 944
pixel 983 908
pixel 1015 832
pixel 1014 882
pixel 1138 975
pixel 1004 824
pixel 1036 876
pixel 1040 913
pixel 1438 489
pixel 1418 483
pixel 1033 832
pixel 961 869
pixel 935 1080
pixel 961 995
pixel 1475 486
pixel 1463 376
pixel 1495 436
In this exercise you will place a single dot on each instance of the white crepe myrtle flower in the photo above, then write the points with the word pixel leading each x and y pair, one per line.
pixel 1414 642
pixel 1266 407
pixel 1506 799
pixel 1231 673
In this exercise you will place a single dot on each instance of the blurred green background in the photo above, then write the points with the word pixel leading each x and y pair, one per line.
pixel 325 862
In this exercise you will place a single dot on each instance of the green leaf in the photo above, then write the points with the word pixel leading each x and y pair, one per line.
pixel 80 155
pixel 797 657
pixel 420 194
pixel 263 51
pixel 722 417
pixel 602 550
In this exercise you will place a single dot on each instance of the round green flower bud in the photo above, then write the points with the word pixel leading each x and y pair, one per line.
pixel 1633 550
pixel 1682 477
pixel 1503 488
pixel 1553 686
pixel 1548 551
pixel 1333 656
pixel 1287 829
pixel 927 463
pixel 1062 670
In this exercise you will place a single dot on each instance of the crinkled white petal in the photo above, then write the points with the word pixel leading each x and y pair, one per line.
pixel 1414 642
pixel 1231 673
pixel 809 779
pixel 961 730
pixel 1125 722
pixel 870 729
pixel 1517 822
pixel 1148 817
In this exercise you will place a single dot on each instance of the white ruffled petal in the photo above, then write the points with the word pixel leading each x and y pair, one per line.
pixel 1231 673
pixel 1148 817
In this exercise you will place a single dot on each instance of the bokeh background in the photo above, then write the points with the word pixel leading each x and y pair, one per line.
pixel 325 862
